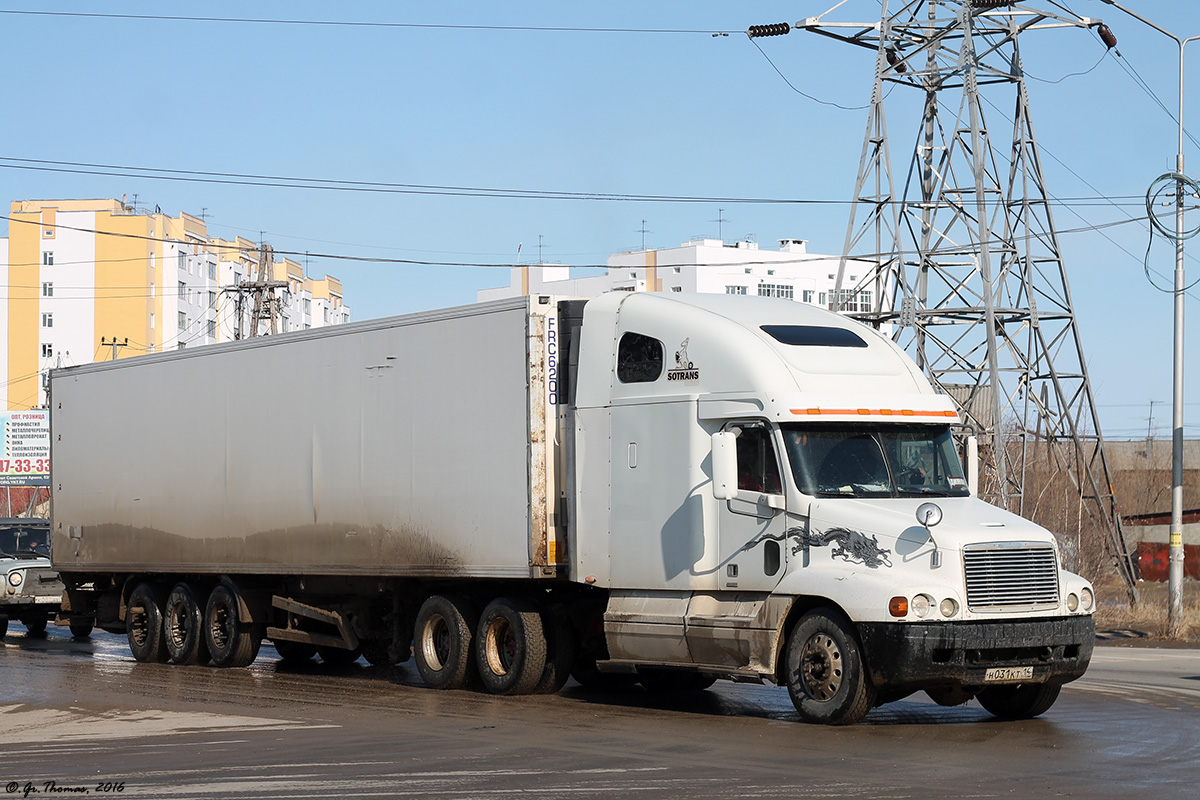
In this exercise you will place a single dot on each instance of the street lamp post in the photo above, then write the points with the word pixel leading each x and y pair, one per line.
pixel 1175 569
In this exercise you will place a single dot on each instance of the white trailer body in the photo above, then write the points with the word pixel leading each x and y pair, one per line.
pixel 667 488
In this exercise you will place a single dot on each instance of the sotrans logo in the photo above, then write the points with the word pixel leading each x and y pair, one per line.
pixel 684 370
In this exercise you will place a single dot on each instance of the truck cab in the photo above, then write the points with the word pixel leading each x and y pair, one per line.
pixel 30 590
pixel 771 491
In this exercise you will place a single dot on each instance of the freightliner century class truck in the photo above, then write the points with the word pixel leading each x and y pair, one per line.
pixel 662 488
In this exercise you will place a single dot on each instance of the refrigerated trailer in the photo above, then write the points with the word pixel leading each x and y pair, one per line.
pixel 669 489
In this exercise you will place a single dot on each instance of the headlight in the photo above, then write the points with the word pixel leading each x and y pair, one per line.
pixel 15 578
pixel 948 607
pixel 1087 599
pixel 921 605
pixel 1072 602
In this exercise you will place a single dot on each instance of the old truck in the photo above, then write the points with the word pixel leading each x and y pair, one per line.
pixel 668 489
pixel 30 590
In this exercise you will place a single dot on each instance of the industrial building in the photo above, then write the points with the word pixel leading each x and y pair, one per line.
pixel 88 280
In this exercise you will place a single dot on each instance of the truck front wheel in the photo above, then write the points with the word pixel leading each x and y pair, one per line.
pixel 825 673
pixel 445 648
pixel 510 647
pixel 231 642
pixel 1019 701
pixel 143 624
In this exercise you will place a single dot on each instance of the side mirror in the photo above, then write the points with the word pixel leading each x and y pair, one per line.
pixel 724 465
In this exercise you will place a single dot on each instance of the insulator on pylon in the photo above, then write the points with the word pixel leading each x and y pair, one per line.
pixel 775 29
pixel 1107 36
pixel 895 61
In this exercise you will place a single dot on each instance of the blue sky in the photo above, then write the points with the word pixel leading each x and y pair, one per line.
pixel 630 113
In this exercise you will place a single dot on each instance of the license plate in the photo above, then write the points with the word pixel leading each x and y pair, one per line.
pixel 1007 674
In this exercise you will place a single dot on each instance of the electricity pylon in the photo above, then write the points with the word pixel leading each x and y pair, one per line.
pixel 969 273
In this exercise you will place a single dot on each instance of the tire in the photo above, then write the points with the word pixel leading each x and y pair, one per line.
pixel 231 642
pixel 183 627
pixel 143 624
pixel 82 629
pixel 338 656
pixel 674 680
pixel 445 642
pixel 510 646
pixel 381 653
pixel 294 652
pixel 824 670
pixel 1019 701
pixel 560 653
pixel 35 627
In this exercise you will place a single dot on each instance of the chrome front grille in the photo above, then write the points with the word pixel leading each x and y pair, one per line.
pixel 1008 574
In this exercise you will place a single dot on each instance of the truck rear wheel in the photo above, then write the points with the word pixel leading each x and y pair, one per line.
pixel 183 625
pixel 231 642
pixel 143 624
pixel 825 673
pixel 510 646
pixel 445 647
pixel 560 652
pixel 35 626
pixel 1019 701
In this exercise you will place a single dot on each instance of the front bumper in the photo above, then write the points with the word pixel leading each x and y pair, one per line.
pixel 921 655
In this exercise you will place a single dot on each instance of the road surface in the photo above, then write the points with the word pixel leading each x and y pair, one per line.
pixel 84 715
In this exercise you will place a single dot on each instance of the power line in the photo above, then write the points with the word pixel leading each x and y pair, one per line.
pixel 353 24
pixel 278 181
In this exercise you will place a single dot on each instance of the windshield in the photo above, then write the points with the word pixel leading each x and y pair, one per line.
pixel 881 460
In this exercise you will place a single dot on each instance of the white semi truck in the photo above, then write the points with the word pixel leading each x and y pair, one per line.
pixel 664 488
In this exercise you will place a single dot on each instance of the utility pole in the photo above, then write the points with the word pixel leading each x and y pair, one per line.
pixel 114 344
pixel 267 305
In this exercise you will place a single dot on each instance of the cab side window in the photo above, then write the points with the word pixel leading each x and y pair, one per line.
pixel 639 359
pixel 758 471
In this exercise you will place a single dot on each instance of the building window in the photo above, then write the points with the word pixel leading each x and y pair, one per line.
pixel 212 328
pixel 676 270
pixel 47 290
pixel 775 290
pixel 808 295
pixel 327 316
pixel 831 277
pixel 47 319
pixel 735 290
pixel 212 270
pixel 237 279
pixel 212 299
pixel 822 300
pixel 182 292
pixel 676 288
pixel 47 350
pixel 182 320
pixel 182 345
pixel 47 258
pixel 770 272
pixel 151 321
pixel 182 260
pixel 307 306
pixel 151 291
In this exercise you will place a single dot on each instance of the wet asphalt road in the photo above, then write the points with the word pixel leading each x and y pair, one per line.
pixel 84 715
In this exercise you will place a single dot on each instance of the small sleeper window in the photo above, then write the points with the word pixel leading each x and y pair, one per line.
pixel 814 336
pixel 639 359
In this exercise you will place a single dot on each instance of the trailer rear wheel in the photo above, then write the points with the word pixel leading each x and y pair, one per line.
pixel 294 652
pixel 445 647
pixel 231 642
pixel 183 625
pixel 1019 701
pixel 825 673
pixel 143 624
pixel 510 646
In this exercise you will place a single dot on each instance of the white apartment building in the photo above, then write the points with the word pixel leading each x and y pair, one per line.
pixel 709 266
